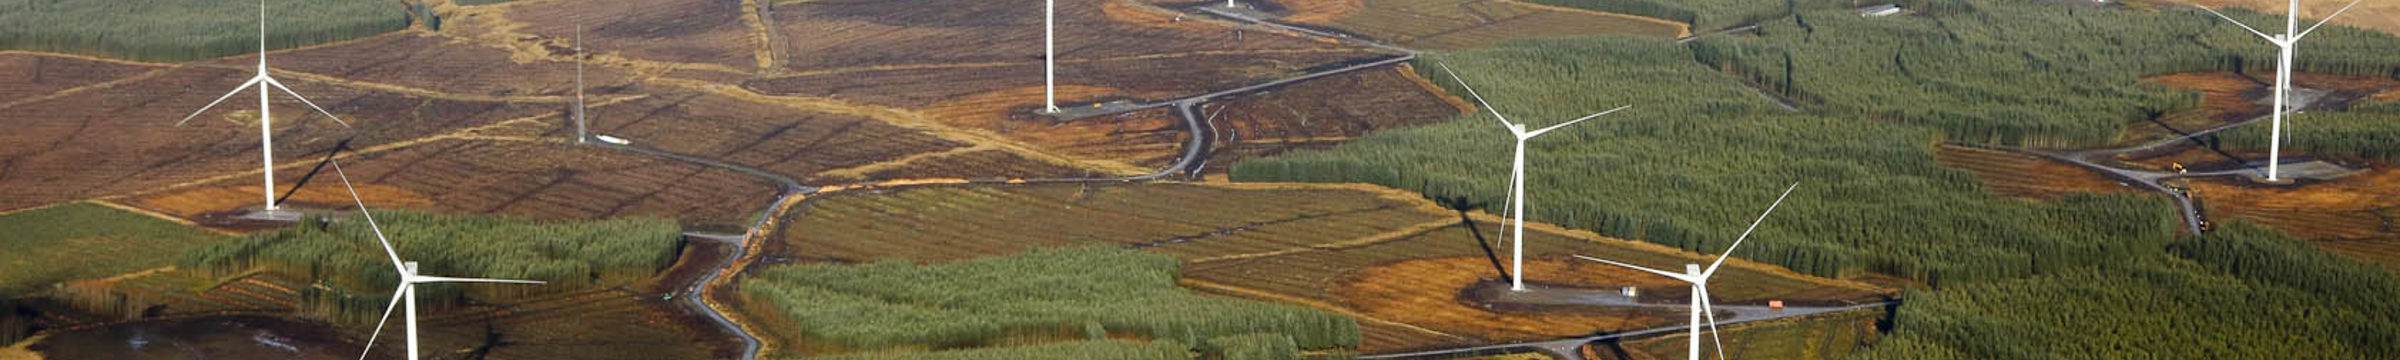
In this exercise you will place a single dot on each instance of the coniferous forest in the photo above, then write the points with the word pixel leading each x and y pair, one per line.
pixel 1706 146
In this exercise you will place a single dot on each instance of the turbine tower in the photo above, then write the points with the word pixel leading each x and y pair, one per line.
pixel 1516 177
pixel 408 276
pixel 1049 56
pixel 580 134
pixel 266 136
pixel 1692 273
pixel 2287 45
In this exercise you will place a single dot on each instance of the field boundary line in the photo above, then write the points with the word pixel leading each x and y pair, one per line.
pixel 1387 236
pixel 1409 71
pixel 499 30
pixel 765 33
pixel 862 170
pixel 993 64
pixel 463 134
pixel 1262 294
pixel 153 73
pixel 169 218
pixel 1682 30
pixel 911 120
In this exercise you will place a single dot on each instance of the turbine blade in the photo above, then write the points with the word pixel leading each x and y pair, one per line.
pixel 1637 267
pixel 304 100
pixel 1487 105
pixel 436 279
pixel 2321 22
pixel 362 211
pixel 1737 242
pixel 220 99
pixel 1585 117
pixel 2244 26
pixel 1709 308
pixel 397 294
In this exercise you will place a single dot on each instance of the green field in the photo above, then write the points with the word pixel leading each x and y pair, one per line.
pixel 1035 297
pixel 183 30
pixel 83 240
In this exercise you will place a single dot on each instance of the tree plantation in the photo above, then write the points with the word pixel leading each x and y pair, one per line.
pixel 181 30
pixel 1696 158
pixel 1087 292
pixel 2017 73
pixel 2368 131
pixel 1702 150
pixel 2241 292
pixel 343 254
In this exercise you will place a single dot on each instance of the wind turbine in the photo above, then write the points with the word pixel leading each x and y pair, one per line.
pixel 2287 45
pixel 1049 56
pixel 1692 273
pixel 1516 176
pixel 266 137
pixel 580 135
pixel 408 276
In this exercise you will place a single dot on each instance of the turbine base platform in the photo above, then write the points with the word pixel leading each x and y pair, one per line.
pixel 2303 172
pixel 1071 113
pixel 277 215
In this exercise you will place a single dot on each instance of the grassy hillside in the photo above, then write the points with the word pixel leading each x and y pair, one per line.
pixel 1075 293
pixel 184 30
pixel 82 240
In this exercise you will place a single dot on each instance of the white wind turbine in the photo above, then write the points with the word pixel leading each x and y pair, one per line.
pixel 408 276
pixel 2287 45
pixel 1692 273
pixel 580 134
pixel 1049 56
pixel 1516 177
pixel 266 137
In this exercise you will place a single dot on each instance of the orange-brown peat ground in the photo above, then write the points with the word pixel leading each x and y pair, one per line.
pixel 2228 98
pixel 2024 176
pixel 2352 216
pixel 115 138
pixel 1407 290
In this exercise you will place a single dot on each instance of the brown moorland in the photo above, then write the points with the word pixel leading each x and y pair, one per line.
pixel 120 138
pixel 536 179
pixel 1462 24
